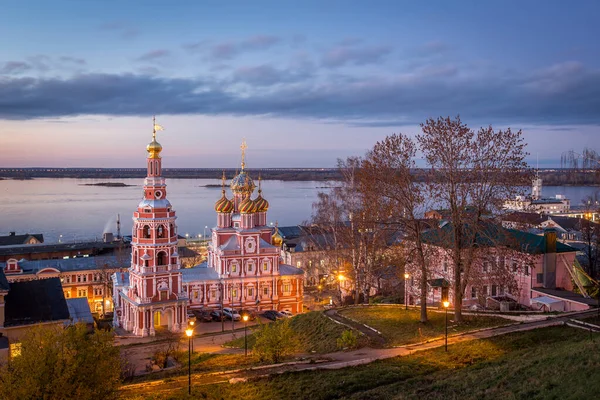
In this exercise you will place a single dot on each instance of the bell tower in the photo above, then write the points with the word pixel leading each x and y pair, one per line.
pixel 154 297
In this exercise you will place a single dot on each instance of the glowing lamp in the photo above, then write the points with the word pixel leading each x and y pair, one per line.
pixel 245 318
pixel 446 304
pixel 189 332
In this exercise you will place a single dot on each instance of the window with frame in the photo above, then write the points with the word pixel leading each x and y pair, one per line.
pixel 266 290
pixel 250 267
pixel 265 266
pixel 494 290
pixel 81 292
pixel 250 292
pixel 67 294
pixel 286 288
pixel 233 267
pixel 473 293
pixel 234 292
pixel 213 293
pixel 299 264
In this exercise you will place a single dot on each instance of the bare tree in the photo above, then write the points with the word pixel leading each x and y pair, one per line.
pixel 591 234
pixel 472 174
pixel 399 202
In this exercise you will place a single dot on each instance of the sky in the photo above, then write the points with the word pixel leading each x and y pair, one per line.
pixel 304 82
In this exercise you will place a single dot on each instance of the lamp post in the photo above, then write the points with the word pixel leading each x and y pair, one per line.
pixel 340 280
pixel 188 333
pixel 245 318
pixel 406 276
pixel 446 304
pixel 192 328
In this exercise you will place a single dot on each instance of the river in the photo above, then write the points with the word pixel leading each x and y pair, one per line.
pixel 69 208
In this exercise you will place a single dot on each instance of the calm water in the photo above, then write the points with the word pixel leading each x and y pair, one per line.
pixel 65 207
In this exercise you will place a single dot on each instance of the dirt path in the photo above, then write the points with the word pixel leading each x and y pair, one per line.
pixel 344 359
pixel 375 337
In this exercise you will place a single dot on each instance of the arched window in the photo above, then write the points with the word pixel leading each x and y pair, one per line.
pixel 161 258
pixel 146 232
pixel 173 232
pixel 160 232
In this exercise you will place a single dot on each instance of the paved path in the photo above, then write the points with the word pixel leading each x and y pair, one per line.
pixel 339 360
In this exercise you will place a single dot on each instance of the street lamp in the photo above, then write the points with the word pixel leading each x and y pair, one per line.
pixel 192 328
pixel 188 333
pixel 406 276
pixel 340 280
pixel 245 318
pixel 446 304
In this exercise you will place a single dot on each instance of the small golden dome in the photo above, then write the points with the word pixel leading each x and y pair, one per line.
pixel 276 239
pixel 224 205
pixel 262 205
pixel 247 206
pixel 154 148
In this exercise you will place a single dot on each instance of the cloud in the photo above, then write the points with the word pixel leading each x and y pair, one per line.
pixel 154 55
pixel 266 75
pixel 343 55
pixel 73 60
pixel 14 67
pixel 392 100
pixel 230 49
pixel 122 29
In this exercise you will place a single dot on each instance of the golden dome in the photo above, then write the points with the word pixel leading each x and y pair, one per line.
pixel 262 205
pixel 154 148
pixel 224 205
pixel 276 239
pixel 247 206
pixel 242 184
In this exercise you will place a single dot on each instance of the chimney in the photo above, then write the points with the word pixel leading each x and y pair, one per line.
pixel 550 258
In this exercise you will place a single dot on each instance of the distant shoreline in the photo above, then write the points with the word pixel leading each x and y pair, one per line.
pixel 550 177
pixel 106 184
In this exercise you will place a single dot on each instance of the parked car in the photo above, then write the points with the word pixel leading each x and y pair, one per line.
pixel 203 316
pixel 251 314
pixel 273 315
pixel 231 314
pixel 287 313
pixel 217 316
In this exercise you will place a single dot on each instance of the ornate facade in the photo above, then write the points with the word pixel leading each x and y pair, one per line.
pixel 243 268
pixel 151 294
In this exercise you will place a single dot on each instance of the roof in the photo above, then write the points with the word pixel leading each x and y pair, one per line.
pixel 4 286
pixel 232 244
pixel 566 295
pixel 491 235
pixel 186 252
pixel 71 264
pixel 60 247
pixel 30 302
pixel 79 310
pixel 13 239
pixel 285 269
pixel 533 219
pixel 290 232
pixel 545 300
pixel 121 278
pixel 199 273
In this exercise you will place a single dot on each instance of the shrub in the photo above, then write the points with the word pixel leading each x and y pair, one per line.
pixel 348 340
pixel 275 341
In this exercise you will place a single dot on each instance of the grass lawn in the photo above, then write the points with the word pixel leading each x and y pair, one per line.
pixel 316 333
pixel 557 362
pixel 400 326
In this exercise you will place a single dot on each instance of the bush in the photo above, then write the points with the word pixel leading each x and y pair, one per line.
pixel 275 341
pixel 348 340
